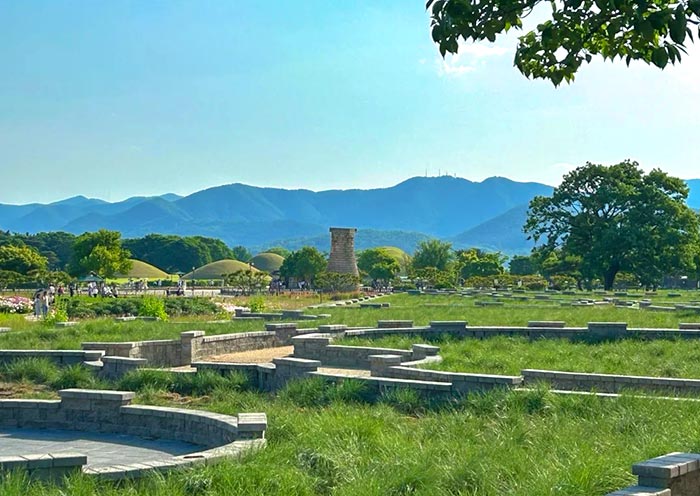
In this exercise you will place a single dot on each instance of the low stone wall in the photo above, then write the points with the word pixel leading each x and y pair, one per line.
pixel 162 352
pixel 195 345
pixel 461 383
pixel 609 383
pixel 114 368
pixel 675 474
pixel 594 331
pixel 229 343
pixel 48 467
pixel 318 347
pixel 111 412
pixel 59 357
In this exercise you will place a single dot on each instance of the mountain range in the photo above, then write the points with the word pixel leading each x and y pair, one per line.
pixel 487 214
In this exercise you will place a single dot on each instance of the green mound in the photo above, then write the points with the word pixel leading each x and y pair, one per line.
pixel 215 270
pixel 143 270
pixel 397 254
pixel 268 262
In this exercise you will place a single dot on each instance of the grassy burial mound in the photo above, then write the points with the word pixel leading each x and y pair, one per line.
pixel 267 262
pixel 143 270
pixel 397 254
pixel 216 270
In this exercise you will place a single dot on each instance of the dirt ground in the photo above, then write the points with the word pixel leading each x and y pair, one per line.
pixel 253 356
pixel 266 355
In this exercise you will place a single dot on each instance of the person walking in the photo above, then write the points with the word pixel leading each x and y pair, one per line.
pixel 37 303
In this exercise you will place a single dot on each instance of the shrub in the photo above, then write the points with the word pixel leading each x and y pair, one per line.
pixel 151 306
pixel 257 304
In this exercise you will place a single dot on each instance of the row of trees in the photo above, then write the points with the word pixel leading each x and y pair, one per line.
pixel 171 253
pixel 602 221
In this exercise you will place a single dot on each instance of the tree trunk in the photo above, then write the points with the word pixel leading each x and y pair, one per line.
pixel 609 276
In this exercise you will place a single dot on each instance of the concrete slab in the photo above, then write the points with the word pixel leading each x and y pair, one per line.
pixel 101 449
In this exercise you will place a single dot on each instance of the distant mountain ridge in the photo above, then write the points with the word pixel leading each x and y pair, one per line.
pixel 487 214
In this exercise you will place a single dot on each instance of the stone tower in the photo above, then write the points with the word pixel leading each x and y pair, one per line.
pixel 342 259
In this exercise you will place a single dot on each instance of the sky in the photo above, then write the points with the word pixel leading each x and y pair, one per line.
pixel 123 98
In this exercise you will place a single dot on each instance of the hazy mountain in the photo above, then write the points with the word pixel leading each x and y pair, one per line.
pixel 488 214
pixel 502 233
pixel 365 238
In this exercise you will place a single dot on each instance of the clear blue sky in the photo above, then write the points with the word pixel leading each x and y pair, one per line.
pixel 119 98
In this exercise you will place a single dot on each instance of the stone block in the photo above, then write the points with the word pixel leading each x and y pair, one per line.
pixel 394 324
pixel 607 330
pixel 421 351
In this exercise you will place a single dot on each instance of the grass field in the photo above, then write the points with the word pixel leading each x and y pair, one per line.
pixel 329 442
pixel 420 309
pixel 510 355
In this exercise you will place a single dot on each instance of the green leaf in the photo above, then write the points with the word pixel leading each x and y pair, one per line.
pixel 677 26
pixel 647 30
pixel 659 57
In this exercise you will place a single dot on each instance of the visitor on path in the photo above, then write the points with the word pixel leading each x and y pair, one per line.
pixel 45 303
pixel 37 303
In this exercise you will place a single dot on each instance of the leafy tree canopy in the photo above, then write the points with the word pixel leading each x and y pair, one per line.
pixel 655 32
pixel 174 253
pixel 21 259
pixel 432 253
pixel 378 264
pixel 304 264
pixel 476 262
pixel 522 265
pixel 279 250
pixel 618 218
pixel 100 252
pixel 241 253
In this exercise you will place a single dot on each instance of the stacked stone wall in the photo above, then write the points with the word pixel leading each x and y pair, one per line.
pixel 342 257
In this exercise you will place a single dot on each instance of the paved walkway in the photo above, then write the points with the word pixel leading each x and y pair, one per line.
pixel 101 449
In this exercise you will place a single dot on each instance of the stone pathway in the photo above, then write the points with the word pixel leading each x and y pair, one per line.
pixel 253 356
pixel 101 449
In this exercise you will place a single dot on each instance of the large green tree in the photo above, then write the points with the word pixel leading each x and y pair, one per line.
pixel 432 253
pixel 618 218
pixel 174 253
pixel 100 252
pixel 476 262
pixel 378 264
pixel 655 32
pixel 21 259
pixel 304 264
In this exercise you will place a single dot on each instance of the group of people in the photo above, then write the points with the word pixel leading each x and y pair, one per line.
pixel 106 291
pixel 43 299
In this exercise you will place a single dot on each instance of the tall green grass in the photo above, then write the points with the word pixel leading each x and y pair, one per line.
pixel 510 355
pixel 521 443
